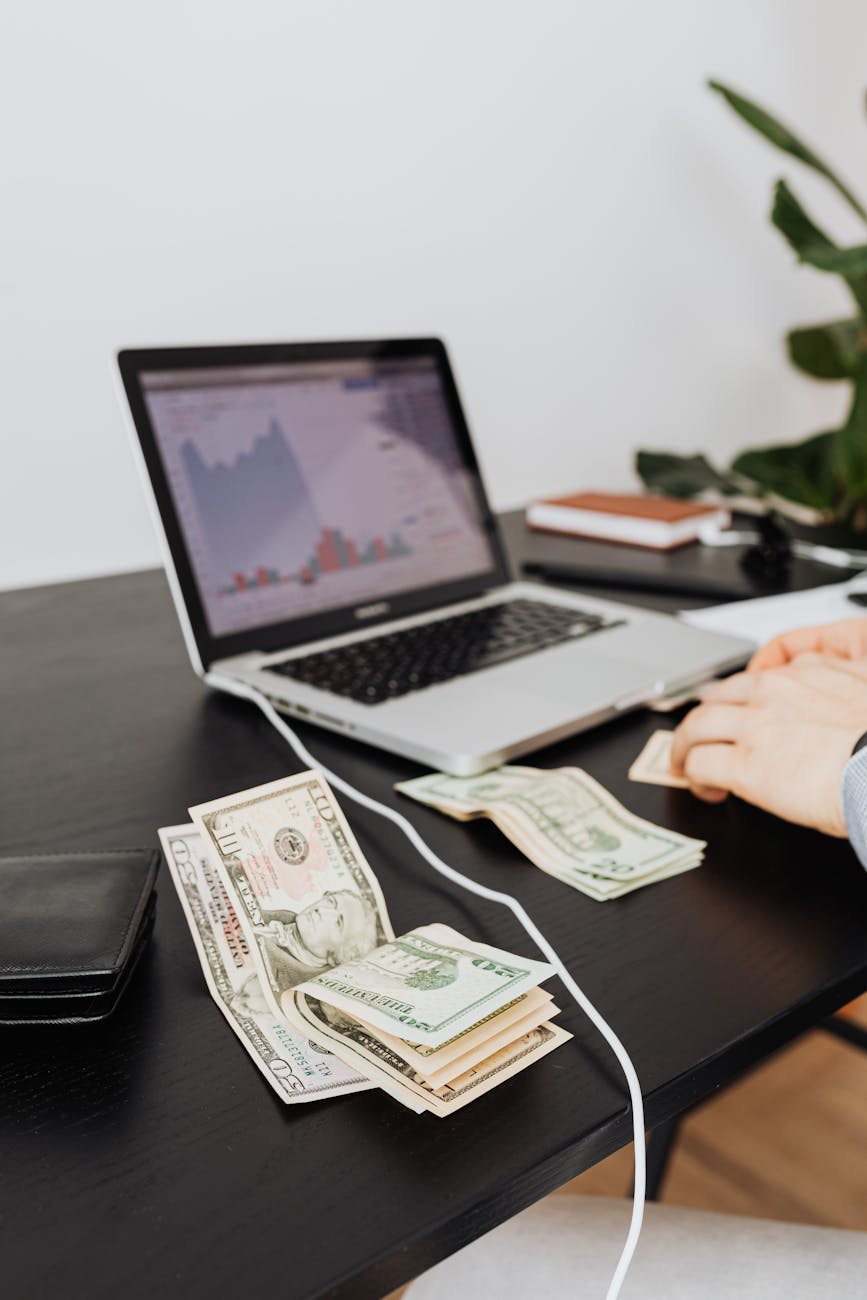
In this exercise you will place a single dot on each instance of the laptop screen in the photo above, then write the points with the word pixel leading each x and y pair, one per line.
pixel 310 486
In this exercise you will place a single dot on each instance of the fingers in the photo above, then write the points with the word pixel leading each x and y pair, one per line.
pixel 825 673
pixel 782 649
pixel 708 793
pixel 836 664
pixel 846 639
pixel 772 655
pixel 740 688
pixel 820 674
pixel 712 770
pixel 710 729
pixel 706 724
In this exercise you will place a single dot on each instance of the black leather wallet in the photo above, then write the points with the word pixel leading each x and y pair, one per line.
pixel 72 927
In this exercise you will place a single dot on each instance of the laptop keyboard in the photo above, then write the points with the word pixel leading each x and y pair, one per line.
pixel 385 667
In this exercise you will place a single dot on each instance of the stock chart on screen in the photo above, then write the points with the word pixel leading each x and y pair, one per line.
pixel 308 491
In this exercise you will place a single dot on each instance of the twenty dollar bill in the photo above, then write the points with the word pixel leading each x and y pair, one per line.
pixel 428 985
pixel 567 824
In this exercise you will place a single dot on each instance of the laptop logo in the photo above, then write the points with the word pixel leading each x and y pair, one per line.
pixel 371 611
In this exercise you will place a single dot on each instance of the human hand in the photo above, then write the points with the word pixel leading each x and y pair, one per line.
pixel 844 640
pixel 777 738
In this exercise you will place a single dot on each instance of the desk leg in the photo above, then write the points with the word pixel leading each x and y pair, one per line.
pixel 842 1027
pixel 659 1146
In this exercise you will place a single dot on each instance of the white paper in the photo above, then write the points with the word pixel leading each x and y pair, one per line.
pixel 769 616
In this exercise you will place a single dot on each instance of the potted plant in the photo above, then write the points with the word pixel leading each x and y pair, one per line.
pixel 822 479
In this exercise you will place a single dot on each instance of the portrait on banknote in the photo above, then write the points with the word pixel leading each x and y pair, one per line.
pixel 335 928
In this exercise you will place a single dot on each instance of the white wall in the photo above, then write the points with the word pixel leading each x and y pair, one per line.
pixel 547 184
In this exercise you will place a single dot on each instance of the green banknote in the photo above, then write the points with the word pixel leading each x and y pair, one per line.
pixel 567 824
pixel 428 985
pixel 284 883
pixel 363 1047
pixel 305 895
pixel 295 1070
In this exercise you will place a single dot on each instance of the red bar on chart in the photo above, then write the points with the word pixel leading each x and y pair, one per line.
pixel 263 577
pixel 351 552
pixel 240 582
pixel 329 561
pixel 380 548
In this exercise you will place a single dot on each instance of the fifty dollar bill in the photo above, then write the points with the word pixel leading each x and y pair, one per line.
pixel 294 1070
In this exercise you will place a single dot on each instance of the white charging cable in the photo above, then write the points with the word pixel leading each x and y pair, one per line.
pixel 245 692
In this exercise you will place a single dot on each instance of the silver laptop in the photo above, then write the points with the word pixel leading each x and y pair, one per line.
pixel 328 540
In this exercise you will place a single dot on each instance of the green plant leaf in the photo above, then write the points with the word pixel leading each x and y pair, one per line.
pixel 850 449
pixel 812 245
pixel 793 223
pixel 831 351
pixel 847 262
pixel 680 476
pixel 802 471
pixel 778 134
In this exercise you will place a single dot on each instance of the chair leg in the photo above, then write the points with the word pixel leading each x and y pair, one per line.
pixel 840 1027
pixel 659 1146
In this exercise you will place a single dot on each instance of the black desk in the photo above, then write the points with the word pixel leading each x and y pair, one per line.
pixel 146 1156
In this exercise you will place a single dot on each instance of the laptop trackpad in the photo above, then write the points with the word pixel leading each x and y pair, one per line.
pixel 584 680
pixel 527 697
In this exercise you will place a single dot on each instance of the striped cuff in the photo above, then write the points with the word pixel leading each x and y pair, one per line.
pixel 854 788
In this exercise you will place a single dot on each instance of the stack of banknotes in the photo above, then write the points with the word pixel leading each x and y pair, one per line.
pixel 297 949
pixel 567 824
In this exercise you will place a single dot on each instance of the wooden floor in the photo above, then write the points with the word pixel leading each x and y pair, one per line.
pixel 787 1142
